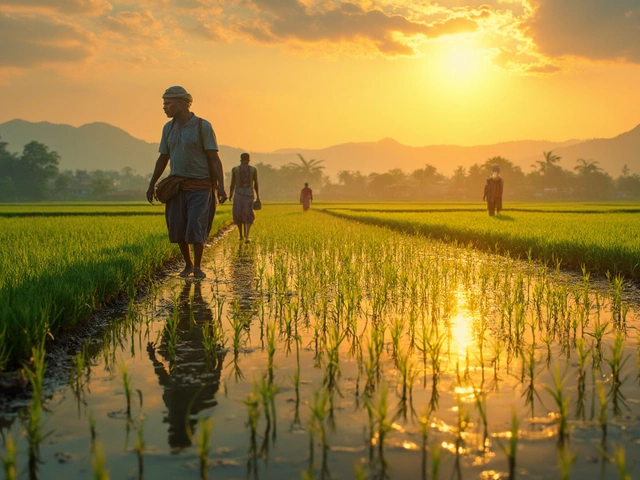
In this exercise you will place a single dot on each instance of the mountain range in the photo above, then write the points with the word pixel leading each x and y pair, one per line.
pixel 100 146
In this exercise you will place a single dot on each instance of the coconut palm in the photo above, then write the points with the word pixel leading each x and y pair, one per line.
pixel 549 162
pixel 587 167
pixel 310 169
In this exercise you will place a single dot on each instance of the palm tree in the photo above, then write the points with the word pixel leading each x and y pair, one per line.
pixel 587 167
pixel 548 163
pixel 310 169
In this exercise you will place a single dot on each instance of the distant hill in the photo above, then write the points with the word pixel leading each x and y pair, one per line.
pixel 103 146
pixel 611 153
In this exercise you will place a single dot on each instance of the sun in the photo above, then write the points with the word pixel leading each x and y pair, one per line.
pixel 461 61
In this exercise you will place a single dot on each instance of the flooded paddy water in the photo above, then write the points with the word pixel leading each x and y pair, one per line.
pixel 330 349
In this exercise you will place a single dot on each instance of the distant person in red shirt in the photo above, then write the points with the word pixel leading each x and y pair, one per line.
pixel 493 191
pixel 306 197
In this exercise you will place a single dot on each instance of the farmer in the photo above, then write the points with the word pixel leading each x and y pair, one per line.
pixel 191 145
pixel 493 191
pixel 306 197
pixel 244 180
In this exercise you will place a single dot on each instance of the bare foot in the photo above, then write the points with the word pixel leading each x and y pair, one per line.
pixel 186 272
pixel 197 273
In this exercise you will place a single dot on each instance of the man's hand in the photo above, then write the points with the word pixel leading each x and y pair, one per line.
pixel 151 193
pixel 222 196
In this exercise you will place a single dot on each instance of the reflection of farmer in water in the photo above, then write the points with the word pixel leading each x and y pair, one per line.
pixel 493 191
pixel 242 278
pixel 306 197
pixel 189 384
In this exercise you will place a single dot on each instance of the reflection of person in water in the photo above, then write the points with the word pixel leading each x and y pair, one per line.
pixel 189 384
pixel 242 277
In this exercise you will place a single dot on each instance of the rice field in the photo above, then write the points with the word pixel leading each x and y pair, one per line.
pixel 333 348
pixel 599 240
pixel 59 263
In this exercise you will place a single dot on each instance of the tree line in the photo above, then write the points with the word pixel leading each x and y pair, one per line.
pixel 34 175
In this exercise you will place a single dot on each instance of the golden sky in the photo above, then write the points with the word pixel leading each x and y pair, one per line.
pixel 273 74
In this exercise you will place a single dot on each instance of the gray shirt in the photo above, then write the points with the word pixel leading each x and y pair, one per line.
pixel 182 144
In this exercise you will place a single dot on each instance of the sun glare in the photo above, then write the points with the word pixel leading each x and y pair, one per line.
pixel 457 61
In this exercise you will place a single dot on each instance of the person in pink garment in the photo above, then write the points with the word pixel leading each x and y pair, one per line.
pixel 306 197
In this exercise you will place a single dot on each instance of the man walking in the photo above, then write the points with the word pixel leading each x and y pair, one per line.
pixel 190 143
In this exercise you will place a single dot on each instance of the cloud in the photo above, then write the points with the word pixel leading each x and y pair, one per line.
pixel 86 7
pixel 592 29
pixel 33 40
pixel 284 21
pixel 136 24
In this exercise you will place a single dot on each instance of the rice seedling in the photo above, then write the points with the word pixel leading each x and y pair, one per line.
pixel 126 385
pixel 92 428
pixel 35 433
pixel 271 349
pixel 481 405
pixel 204 446
pixel 253 412
pixel 319 411
pixel 435 462
pixel 238 330
pixel 424 424
pixel 99 463
pixel 267 392
pixel 407 376
pixel 619 457
pixel 562 403
pixel 511 449
pixel 566 459
pixel 530 371
pixel 379 410
pixel 9 461
pixel 139 448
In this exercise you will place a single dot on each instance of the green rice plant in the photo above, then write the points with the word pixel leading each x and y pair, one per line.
pixel 125 377
pixel 48 283
pixel 424 424
pixel 583 355
pixel 319 411
pixel 562 403
pixel 530 371
pixel 35 375
pixel 407 373
pixel 566 459
pixel 332 365
pixel 92 428
pixel 238 329
pixel 271 348
pixel 498 348
pixel 267 392
pixel 616 362
pixel 511 449
pixel 380 412
pixel 616 284
pixel 435 465
pixel 253 411
pixel 480 399
pixel 619 458
pixel 599 331
pixel 204 446
pixel 9 462
pixel 397 328
pixel 99 463
pixel 139 447
pixel 5 348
